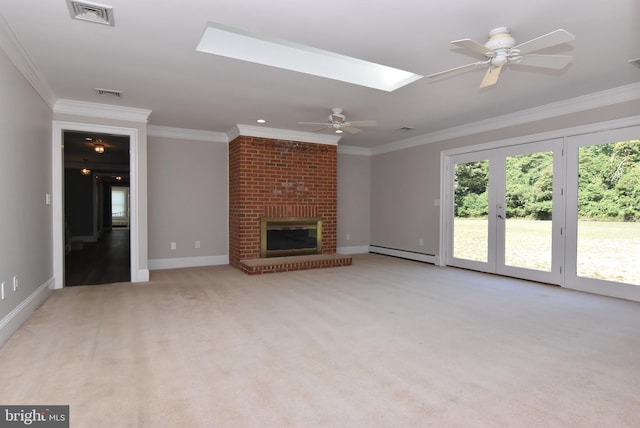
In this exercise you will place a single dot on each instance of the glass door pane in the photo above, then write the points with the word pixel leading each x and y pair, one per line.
pixel 471 210
pixel 529 211
pixel 608 230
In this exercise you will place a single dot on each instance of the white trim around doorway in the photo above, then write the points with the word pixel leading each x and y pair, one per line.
pixel 138 273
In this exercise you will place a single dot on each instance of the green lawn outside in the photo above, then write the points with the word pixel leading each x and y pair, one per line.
pixel 606 250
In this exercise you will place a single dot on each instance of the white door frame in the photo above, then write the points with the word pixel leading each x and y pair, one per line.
pixel 496 228
pixel 556 274
pixel 57 191
pixel 448 202
pixel 573 281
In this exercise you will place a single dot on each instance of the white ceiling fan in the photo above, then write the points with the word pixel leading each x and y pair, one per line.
pixel 338 123
pixel 501 49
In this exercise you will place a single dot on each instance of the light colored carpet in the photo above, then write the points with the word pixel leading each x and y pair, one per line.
pixel 383 343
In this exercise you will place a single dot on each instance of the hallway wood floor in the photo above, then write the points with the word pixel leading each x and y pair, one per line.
pixel 104 262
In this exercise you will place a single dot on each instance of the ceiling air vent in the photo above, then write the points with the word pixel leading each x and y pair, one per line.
pixel 635 62
pixel 109 93
pixel 91 12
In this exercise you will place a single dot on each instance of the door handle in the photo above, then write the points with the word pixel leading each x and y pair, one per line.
pixel 500 216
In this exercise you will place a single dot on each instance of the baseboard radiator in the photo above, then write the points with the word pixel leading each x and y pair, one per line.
pixel 403 254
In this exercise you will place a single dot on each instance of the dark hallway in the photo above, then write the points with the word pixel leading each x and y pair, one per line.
pixel 96 206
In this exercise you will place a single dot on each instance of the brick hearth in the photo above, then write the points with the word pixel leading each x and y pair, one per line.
pixel 280 178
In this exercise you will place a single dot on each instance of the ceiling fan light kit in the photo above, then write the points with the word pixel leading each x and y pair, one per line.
pixel 501 49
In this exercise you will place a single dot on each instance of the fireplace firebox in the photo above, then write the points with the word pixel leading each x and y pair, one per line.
pixel 290 236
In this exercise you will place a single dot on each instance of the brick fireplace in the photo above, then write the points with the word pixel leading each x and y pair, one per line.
pixel 280 179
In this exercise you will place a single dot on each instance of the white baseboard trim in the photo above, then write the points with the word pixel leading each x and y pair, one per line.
pixel 363 249
pixel 14 319
pixel 142 275
pixel 606 288
pixel 184 262
pixel 411 255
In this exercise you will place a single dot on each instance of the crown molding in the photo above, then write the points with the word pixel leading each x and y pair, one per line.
pixel 187 134
pixel 354 150
pixel 233 133
pixel 18 56
pixel 283 134
pixel 590 128
pixel 613 96
pixel 105 111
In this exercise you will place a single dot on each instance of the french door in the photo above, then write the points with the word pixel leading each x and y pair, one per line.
pixel 564 211
pixel 506 211
pixel 603 203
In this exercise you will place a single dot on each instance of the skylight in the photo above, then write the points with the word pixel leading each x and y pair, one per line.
pixel 233 43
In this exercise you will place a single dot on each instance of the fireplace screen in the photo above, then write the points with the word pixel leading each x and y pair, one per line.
pixel 290 236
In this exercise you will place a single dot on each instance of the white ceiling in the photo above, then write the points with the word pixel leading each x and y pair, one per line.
pixel 150 55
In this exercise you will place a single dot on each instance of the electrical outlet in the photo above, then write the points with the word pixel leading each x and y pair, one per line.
pixel 421 242
pixel 197 244
pixel 15 282
pixel 173 245
pixel 348 237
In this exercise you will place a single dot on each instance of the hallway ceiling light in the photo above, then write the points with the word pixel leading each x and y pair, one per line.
pixel 98 147
pixel 85 170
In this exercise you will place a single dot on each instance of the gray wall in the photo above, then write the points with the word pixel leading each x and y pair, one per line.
pixel 354 197
pixel 187 198
pixel 404 185
pixel 25 179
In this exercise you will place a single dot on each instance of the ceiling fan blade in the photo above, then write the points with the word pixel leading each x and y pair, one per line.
pixel 473 46
pixel 548 40
pixel 364 123
pixel 314 123
pixel 350 130
pixel 491 77
pixel 458 68
pixel 546 61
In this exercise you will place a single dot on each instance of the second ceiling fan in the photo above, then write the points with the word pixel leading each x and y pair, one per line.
pixel 338 123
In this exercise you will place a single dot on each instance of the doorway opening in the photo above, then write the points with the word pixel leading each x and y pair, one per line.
pixel 96 208
pixel 120 207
